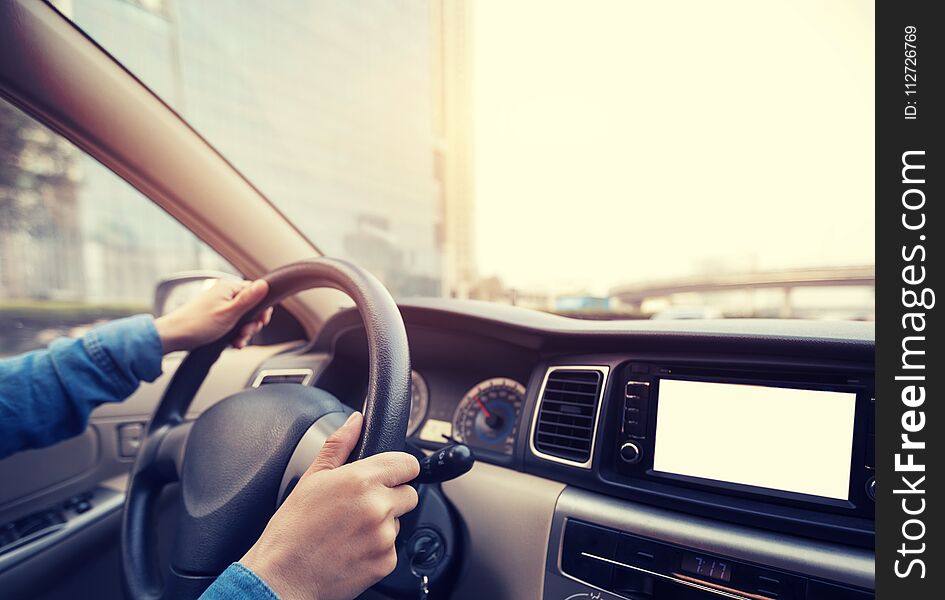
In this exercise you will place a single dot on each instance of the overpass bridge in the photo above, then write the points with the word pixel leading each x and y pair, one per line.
pixel 785 279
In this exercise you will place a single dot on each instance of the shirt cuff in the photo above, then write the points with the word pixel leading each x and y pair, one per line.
pixel 237 581
pixel 129 350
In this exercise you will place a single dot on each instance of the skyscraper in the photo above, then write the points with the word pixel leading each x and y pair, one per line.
pixel 353 118
pixel 453 81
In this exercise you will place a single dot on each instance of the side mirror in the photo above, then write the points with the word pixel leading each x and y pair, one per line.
pixel 180 288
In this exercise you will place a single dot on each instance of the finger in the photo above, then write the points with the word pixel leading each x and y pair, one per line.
pixel 245 335
pixel 403 499
pixel 396 526
pixel 339 445
pixel 259 322
pixel 267 316
pixel 248 331
pixel 249 296
pixel 393 468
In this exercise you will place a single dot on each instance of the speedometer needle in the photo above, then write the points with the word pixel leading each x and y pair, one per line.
pixel 485 410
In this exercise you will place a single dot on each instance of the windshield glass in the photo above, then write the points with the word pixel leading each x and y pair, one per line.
pixel 583 158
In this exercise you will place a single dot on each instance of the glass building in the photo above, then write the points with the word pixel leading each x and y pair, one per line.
pixel 327 106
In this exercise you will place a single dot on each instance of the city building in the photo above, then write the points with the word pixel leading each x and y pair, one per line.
pixel 353 118
pixel 453 88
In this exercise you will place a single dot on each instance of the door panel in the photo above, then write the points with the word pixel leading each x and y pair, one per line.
pixel 30 473
pixel 81 548
pixel 87 560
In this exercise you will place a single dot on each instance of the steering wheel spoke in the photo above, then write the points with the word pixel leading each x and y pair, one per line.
pixel 169 456
pixel 161 455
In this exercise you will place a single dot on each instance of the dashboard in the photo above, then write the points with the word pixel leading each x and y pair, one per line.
pixel 466 389
pixel 760 424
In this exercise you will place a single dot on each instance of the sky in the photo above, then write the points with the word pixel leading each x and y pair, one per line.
pixel 624 141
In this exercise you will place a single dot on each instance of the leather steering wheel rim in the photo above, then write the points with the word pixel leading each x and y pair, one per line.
pixel 386 408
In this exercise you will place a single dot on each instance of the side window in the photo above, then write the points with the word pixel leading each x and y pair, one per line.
pixel 78 245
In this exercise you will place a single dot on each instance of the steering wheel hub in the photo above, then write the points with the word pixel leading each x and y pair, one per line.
pixel 236 456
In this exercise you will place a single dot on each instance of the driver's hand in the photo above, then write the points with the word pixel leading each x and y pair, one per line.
pixel 211 314
pixel 334 535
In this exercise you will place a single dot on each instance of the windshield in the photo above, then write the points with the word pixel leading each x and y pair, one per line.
pixel 583 158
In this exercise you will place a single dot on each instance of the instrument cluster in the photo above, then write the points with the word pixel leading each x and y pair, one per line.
pixel 487 417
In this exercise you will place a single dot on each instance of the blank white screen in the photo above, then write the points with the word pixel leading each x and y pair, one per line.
pixel 778 438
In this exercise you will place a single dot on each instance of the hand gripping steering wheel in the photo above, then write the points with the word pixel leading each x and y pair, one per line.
pixel 233 462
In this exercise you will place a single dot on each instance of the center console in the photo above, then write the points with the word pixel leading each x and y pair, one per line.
pixel 784 446
pixel 786 437
pixel 604 549
pixel 709 478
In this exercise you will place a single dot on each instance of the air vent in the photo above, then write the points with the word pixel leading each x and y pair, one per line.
pixel 566 420
pixel 299 376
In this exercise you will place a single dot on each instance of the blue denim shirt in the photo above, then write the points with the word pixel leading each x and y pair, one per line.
pixel 46 396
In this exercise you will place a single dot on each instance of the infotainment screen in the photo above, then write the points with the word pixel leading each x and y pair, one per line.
pixel 779 438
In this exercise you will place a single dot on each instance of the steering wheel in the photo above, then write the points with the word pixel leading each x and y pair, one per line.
pixel 244 454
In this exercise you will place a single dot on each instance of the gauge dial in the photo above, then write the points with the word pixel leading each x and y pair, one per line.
pixel 419 402
pixel 488 415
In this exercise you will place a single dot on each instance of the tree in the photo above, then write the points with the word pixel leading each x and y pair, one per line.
pixel 12 145
pixel 37 171
pixel 38 207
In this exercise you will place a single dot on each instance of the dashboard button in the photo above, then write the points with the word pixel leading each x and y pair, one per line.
pixel 634 418
pixel 638 388
pixel 634 426
pixel 630 453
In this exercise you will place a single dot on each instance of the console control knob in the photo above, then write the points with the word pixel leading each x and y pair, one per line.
pixel 871 488
pixel 630 453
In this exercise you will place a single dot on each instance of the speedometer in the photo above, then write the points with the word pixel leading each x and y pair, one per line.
pixel 487 417
pixel 419 402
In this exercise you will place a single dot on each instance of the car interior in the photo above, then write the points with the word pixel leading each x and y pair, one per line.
pixel 605 466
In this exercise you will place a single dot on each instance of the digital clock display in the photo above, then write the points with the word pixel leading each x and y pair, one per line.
pixel 707 567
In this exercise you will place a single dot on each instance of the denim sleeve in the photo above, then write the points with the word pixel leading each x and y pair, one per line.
pixel 239 582
pixel 46 395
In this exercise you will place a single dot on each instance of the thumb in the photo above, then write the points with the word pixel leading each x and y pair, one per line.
pixel 249 296
pixel 339 445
